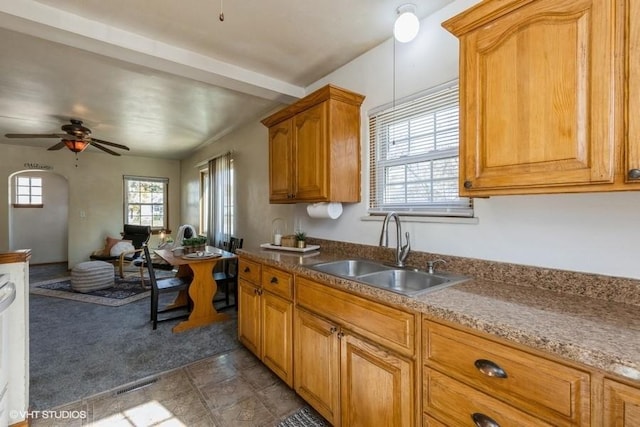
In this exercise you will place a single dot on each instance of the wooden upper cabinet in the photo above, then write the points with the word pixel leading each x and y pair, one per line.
pixel 314 148
pixel 311 157
pixel 540 97
pixel 632 161
pixel 281 161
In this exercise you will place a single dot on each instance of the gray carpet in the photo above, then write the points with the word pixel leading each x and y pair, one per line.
pixel 80 349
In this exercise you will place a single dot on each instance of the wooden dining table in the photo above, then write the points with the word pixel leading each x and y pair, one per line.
pixel 203 287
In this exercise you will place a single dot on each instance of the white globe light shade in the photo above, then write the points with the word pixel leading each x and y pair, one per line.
pixel 406 27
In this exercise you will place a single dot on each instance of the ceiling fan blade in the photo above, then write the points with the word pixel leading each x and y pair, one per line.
pixel 58 146
pixel 33 135
pixel 105 149
pixel 112 144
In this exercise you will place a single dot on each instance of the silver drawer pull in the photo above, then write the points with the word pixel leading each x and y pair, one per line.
pixel 482 420
pixel 490 368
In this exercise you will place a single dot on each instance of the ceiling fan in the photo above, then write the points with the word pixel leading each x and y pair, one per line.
pixel 76 138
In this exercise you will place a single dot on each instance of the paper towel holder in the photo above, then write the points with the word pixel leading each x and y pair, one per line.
pixel 329 210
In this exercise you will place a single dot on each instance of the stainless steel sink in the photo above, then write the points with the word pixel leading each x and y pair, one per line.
pixel 404 281
pixel 410 282
pixel 349 267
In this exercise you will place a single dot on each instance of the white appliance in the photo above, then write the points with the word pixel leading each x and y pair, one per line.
pixel 7 296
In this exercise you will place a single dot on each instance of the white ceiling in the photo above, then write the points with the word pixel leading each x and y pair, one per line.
pixel 165 77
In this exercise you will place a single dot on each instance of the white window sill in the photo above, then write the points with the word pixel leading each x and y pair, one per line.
pixel 425 219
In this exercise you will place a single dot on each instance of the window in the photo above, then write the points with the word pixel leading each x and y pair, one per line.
pixel 217 199
pixel 413 156
pixel 145 201
pixel 28 192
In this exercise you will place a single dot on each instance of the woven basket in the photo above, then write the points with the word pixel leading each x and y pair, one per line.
pixel 194 249
pixel 289 241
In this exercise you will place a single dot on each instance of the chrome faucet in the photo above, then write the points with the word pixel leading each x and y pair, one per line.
pixel 401 251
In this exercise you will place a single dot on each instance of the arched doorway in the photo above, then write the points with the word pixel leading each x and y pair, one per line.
pixel 41 227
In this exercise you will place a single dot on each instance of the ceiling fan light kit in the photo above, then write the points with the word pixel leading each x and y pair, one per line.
pixel 77 146
pixel 76 138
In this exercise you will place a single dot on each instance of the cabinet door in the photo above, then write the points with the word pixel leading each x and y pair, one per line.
pixel 281 174
pixel 537 90
pixel 317 362
pixel 277 348
pixel 621 405
pixel 376 386
pixel 249 316
pixel 310 153
pixel 633 95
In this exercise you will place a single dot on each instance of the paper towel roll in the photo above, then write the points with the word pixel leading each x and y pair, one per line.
pixel 325 210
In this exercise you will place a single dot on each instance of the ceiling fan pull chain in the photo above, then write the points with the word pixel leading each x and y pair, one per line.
pixel 221 17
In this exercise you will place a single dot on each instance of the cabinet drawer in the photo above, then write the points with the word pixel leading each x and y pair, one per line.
pixel 550 390
pixel 278 282
pixel 249 270
pixel 458 404
pixel 393 328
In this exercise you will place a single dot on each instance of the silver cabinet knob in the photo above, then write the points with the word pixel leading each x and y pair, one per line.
pixel 634 174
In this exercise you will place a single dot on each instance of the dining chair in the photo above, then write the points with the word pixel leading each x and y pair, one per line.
pixel 228 276
pixel 164 286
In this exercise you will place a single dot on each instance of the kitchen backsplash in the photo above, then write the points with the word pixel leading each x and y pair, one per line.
pixel 616 289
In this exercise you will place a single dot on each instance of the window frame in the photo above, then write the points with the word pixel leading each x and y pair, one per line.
pixel 20 204
pixel 165 201
pixel 431 102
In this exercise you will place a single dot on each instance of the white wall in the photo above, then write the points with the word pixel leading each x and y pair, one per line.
pixel 31 227
pixel 254 214
pixel 95 188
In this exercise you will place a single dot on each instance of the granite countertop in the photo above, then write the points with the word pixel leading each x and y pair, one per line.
pixel 598 333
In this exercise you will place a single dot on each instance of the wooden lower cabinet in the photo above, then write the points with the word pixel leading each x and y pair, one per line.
pixel 376 385
pixel 277 317
pixel 348 379
pixel 468 375
pixel 317 363
pixel 265 316
pixel 249 316
pixel 621 405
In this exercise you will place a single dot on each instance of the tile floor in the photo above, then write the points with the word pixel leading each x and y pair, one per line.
pixel 228 389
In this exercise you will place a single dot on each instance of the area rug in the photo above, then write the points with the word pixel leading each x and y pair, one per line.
pixel 78 350
pixel 124 291
pixel 304 417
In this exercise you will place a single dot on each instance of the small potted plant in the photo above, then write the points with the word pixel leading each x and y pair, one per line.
pixel 301 238
pixel 194 244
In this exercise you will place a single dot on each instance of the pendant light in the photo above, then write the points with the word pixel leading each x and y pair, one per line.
pixel 407 24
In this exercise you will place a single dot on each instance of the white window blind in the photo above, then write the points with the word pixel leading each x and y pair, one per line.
pixel 413 156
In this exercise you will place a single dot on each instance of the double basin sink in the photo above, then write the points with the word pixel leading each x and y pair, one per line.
pixel 404 281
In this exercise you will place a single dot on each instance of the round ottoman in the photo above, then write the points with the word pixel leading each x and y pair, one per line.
pixel 92 275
